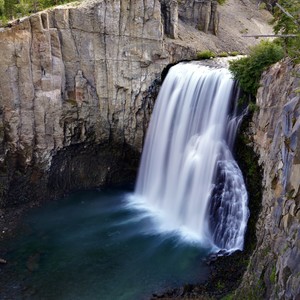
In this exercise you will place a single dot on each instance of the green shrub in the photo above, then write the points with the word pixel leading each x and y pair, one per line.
pixel 207 54
pixel 247 70
pixel 10 9
pixel 1 8
pixel 221 2
pixel 234 53
pixel 228 297
pixel 253 107
pixel 220 285
pixel 273 275
pixel 262 6
pixel 21 9
pixel 223 54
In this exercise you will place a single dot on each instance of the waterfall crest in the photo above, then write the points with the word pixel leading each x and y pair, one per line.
pixel 187 173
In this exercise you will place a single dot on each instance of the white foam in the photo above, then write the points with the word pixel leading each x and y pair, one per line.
pixel 186 139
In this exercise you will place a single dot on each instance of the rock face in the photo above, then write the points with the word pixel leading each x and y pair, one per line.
pixel 274 269
pixel 201 14
pixel 76 76
pixel 169 9
pixel 77 89
pixel 79 82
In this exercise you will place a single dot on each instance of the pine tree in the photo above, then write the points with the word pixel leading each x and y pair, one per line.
pixel 287 17
pixel 9 8
pixel 1 8
pixel 34 5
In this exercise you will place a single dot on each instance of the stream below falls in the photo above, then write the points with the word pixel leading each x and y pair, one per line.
pixel 94 245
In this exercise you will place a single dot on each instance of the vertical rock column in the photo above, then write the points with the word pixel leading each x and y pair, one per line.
pixel 203 14
pixel 169 10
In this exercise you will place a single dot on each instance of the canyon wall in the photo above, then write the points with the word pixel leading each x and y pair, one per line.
pixel 274 269
pixel 78 83
pixel 77 76
pixel 77 87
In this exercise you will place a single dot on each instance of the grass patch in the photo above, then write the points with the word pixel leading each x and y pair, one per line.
pixel 273 275
pixel 206 54
pixel 223 54
pixel 228 297
pixel 234 53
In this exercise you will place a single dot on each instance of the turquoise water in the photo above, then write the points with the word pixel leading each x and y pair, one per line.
pixel 92 245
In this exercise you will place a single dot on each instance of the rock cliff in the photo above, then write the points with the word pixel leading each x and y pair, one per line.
pixel 274 269
pixel 78 84
pixel 76 76
pixel 77 87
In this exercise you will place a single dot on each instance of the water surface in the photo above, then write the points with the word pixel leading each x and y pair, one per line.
pixel 93 245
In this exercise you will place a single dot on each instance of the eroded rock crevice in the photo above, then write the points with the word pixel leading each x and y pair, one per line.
pixel 202 14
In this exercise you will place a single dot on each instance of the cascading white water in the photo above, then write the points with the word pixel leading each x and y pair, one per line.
pixel 187 173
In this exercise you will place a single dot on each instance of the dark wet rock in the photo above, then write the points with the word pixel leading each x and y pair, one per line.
pixel 2 261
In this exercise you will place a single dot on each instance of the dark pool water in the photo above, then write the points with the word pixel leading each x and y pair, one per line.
pixel 91 245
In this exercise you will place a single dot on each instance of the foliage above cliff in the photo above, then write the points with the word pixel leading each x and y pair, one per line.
pixel 10 9
pixel 247 70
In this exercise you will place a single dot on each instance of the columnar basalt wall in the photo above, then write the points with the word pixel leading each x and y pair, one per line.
pixel 202 14
pixel 169 9
pixel 75 75
pixel 274 269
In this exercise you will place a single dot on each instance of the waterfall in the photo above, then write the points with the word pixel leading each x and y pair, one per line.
pixel 188 175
